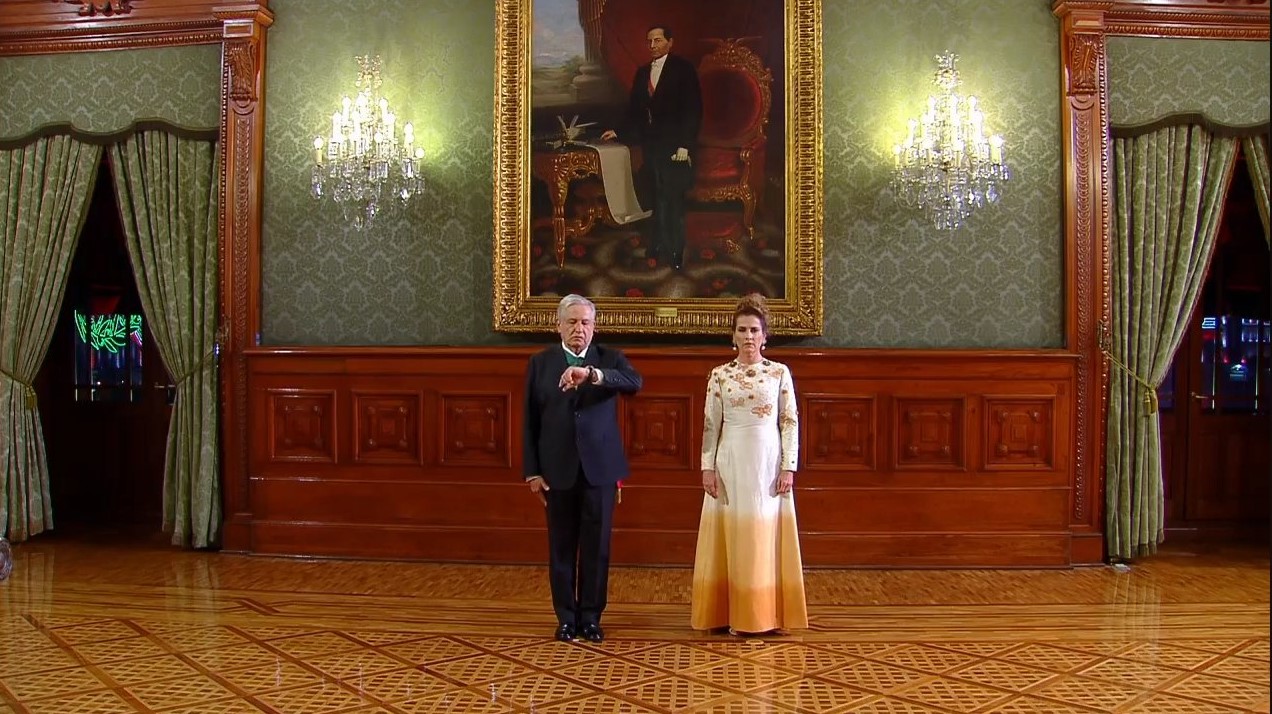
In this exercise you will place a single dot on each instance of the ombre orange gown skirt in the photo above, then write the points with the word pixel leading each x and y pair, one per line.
pixel 747 571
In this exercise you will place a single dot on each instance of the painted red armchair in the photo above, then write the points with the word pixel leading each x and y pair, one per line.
pixel 736 96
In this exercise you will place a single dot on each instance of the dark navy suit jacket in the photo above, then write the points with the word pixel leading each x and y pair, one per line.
pixel 566 430
pixel 671 117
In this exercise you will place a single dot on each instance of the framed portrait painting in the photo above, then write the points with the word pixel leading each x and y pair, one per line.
pixel 661 158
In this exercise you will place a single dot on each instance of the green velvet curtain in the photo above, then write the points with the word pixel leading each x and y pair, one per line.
pixel 167 188
pixel 1256 153
pixel 44 195
pixel 1169 187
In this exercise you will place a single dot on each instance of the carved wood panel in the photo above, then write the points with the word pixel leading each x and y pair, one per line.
pixel 106 8
pixel 302 425
pixel 475 430
pixel 929 433
pixel 1019 432
pixel 863 503
pixel 658 431
pixel 386 428
pixel 839 432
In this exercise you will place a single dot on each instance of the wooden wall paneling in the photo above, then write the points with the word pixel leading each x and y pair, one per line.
pixel 302 426
pixel 929 433
pixel 467 500
pixel 1019 432
pixel 387 427
pixel 936 550
pixel 660 431
pixel 838 432
pixel 475 429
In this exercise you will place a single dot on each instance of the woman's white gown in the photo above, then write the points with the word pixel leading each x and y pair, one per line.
pixel 747 573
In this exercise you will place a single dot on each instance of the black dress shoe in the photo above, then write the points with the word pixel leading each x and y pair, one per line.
pixel 677 261
pixel 592 632
pixel 566 633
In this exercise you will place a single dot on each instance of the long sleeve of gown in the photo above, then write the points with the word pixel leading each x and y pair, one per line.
pixel 788 421
pixel 712 420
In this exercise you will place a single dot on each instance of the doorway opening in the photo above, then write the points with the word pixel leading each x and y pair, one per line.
pixel 1216 398
pixel 104 394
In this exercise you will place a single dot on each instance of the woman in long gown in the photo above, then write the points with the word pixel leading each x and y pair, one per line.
pixel 747 573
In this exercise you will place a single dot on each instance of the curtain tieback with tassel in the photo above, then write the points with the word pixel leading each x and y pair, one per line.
pixel 1150 392
pixel 27 390
pixel 209 358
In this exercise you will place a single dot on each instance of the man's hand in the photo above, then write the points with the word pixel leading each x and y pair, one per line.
pixel 711 483
pixel 539 488
pixel 682 154
pixel 608 135
pixel 572 377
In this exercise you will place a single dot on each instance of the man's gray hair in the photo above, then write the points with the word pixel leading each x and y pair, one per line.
pixel 570 301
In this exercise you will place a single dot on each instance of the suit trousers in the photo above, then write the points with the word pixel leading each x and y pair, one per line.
pixel 671 181
pixel 579 523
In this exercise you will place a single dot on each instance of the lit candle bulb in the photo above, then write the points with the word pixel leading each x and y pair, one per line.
pixel 318 143
pixel 996 149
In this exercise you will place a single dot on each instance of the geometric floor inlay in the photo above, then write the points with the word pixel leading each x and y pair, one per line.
pixel 232 634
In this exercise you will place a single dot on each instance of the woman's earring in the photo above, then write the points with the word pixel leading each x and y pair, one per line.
pixel 735 347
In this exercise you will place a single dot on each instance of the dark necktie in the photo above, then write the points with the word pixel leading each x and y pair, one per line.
pixel 573 360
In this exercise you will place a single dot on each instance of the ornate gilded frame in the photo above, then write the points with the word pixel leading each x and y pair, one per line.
pixel 798 313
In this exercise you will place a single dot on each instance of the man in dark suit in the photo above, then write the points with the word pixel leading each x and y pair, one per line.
pixel 664 114
pixel 573 460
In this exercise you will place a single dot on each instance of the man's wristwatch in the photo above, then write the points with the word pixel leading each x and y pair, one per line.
pixel 591 374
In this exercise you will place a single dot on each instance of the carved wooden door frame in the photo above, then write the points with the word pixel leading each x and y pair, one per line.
pixel 29 27
pixel 1085 26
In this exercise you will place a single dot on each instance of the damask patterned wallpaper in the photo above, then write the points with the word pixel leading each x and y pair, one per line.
pixel 102 92
pixel 1153 77
pixel 417 279
pixel 890 280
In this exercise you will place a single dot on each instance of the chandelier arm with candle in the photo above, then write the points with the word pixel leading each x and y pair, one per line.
pixel 363 166
pixel 947 166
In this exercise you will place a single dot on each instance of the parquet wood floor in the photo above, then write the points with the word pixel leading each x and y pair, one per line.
pixel 100 628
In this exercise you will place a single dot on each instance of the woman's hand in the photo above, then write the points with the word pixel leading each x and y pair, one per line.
pixel 785 482
pixel 711 483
